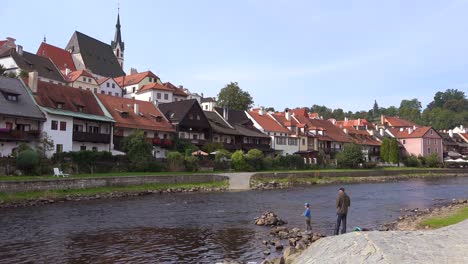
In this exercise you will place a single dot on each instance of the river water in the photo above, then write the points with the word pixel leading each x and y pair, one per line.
pixel 197 227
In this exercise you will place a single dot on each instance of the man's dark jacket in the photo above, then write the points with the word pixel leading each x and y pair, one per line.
pixel 342 203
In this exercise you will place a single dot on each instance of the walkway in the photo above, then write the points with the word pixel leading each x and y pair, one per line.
pixel 239 180
pixel 445 245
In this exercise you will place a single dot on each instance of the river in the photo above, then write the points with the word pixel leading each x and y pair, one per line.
pixel 197 227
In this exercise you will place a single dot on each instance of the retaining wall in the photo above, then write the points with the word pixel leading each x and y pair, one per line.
pixel 64 183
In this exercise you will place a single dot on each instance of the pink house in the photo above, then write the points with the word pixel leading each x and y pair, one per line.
pixel 419 141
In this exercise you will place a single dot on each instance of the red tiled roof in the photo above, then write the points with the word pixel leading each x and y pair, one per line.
pixel 154 86
pixel 60 57
pixel 397 122
pixel 335 133
pixel 352 123
pixel 50 94
pixel 102 80
pixel 464 135
pixel 73 76
pixel 314 115
pixel 268 123
pixel 416 133
pixel 176 90
pixel 147 119
pixel 300 112
pixel 134 78
pixel 362 137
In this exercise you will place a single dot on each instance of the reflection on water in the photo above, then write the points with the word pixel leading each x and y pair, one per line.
pixel 196 228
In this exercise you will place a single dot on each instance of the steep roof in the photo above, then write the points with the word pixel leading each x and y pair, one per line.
pixel 154 86
pixel 177 90
pixel 134 78
pixel 397 122
pixel 268 123
pixel 332 132
pixel 415 133
pixel 352 123
pixel 234 116
pixel 97 56
pixel 73 76
pixel 362 137
pixel 24 107
pixel 146 120
pixel 32 62
pixel 60 57
pixel 176 111
pixel 219 125
pixel 49 95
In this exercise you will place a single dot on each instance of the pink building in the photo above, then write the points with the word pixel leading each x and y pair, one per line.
pixel 419 141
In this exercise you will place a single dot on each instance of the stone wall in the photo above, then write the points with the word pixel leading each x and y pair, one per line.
pixel 361 173
pixel 64 183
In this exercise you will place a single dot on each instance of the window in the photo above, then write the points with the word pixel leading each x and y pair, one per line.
pixel 166 96
pixel 281 140
pixel 95 90
pixel 102 92
pixel 108 84
pixel 93 129
pixel 158 95
pixel 133 89
pixel 94 148
pixel 206 107
pixel 23 127
pixel 428 150
pixel 59 105
pixel 78 128
pixel 435 141
pixel 80 108
pixel 292 142
pixel 109 93
pixel 59 148
pixel 12 97
pixel 198 117
pixel 116 94
pixel 113 85
pixel 195 136
pixel 431 132
pixel 303 141
pixel 54 125
pixel 8 125
pixel 404 141
pixel 81 88
pixel 84 79
pixel 89 79
pixel 83 148
pixel 150 79
pixel 63 125
pixel 165 136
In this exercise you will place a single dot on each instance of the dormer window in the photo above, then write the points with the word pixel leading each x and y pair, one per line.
pixel 12 97
pixel 158 119
pixel 59 105
pixel 80 109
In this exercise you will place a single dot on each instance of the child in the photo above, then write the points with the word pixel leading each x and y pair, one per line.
pixel 307 216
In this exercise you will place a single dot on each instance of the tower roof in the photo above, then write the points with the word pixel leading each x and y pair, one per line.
pixel 118 35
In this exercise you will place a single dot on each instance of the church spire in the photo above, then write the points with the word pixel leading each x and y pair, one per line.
pixel 118 35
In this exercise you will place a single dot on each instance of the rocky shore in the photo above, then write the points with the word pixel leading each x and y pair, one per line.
pixel 108 195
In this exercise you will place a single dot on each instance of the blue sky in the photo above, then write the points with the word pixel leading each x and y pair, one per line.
pixel 285 53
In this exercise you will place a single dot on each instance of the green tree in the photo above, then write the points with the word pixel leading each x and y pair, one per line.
pixel 351 156
pixel 175 161
pixel 441 98
pixel 394 151
pixel 212 146
pixel 410 110
pixel 27 161
pixel 384 149
pixel 139 151
pixel 432 161
pixel 255 159
pixel 239 162
pixel 233 97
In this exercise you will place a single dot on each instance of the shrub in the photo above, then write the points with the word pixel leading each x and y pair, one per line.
pixel 422 161
pixel 411 161
pixel 350 157
pixel 432 161
pixel 222 159
pixel 191 163
pixel 254 158
pixel 239 162
pixel 27 161
pixel 267 163
pixel 139 151
pixel 175 161
pixel 289 162
pixel 212 146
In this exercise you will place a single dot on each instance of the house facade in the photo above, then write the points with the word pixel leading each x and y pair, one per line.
pixel 109 86
pixel 419 141
pixel 75 119
pixel 82 80
pixel 131 115
pixel 134 81
pixel 21 120
pixel 156 93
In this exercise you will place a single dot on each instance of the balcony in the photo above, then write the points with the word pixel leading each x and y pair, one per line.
pixel 18 135
pixel 91 137
pixel 163 143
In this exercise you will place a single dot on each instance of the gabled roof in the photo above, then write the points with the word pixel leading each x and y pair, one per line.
pixel 134 78
pixel 332 132
pixel 219 125
pixel 419 132
pixel 154 86
pixel 24 107
pixel 234 116
pixel 146 120
pixel 32 62
pixel 249 132
pixel 176 111
pixel 362 137
pixel 73 76
pixel 299 112
pixel 60 57
pixel 49 95
pixel 102 80
pixel 352 123
pixel 397 122
pixel 177 90
pixel 268 123
pixel 97 56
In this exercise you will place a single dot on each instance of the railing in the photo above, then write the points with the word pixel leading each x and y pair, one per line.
pixel 164 143
pixel 91 137
pixel 18 135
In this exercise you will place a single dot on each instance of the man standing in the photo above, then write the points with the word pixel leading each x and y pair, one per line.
pixel 342 203
pixel 307 216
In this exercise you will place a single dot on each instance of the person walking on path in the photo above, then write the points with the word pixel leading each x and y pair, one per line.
pixel 342 203
pixel 307 216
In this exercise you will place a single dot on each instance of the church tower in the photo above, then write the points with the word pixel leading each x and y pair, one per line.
pixel 117 44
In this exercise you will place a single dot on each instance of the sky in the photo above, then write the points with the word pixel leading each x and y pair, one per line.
pixel 285 53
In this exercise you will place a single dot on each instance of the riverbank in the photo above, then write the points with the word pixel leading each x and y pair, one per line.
pixel 35 198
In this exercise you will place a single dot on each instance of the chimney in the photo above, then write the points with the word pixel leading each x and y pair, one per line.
pixel 67 71
pixel 19 50
pixel 132 71
pixel 414 127
pixel 402 129
pixel 381 132
pixel 136 109
pixel 345 130
pixel 410 130
pixel 371 132
pixel 287 114
pixel 345 119
pixel 225 113
pixel 461 128
pixel 451 133
pixel 359 121
pixel 382 119
pixel 32 81
pixel 261 111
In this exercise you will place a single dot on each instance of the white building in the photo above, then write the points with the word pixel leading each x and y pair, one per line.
pixel 208 104
pixel 134 81
pixel 109 86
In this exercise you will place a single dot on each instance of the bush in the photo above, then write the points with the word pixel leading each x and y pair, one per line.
pixel 212 146
pixel 139 151
pixel 27 161
pixel 267 163
pixel 239 162
pixel 422 161
pixel 191 163
pixel 350 157
pixel 222 159
pixel 432 161
pixel 255 159
pixel 175 161
pixel 411 161
pixel 289 162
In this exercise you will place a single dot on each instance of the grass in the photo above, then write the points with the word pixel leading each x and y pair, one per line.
pixel 438 222
pixel 56 194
